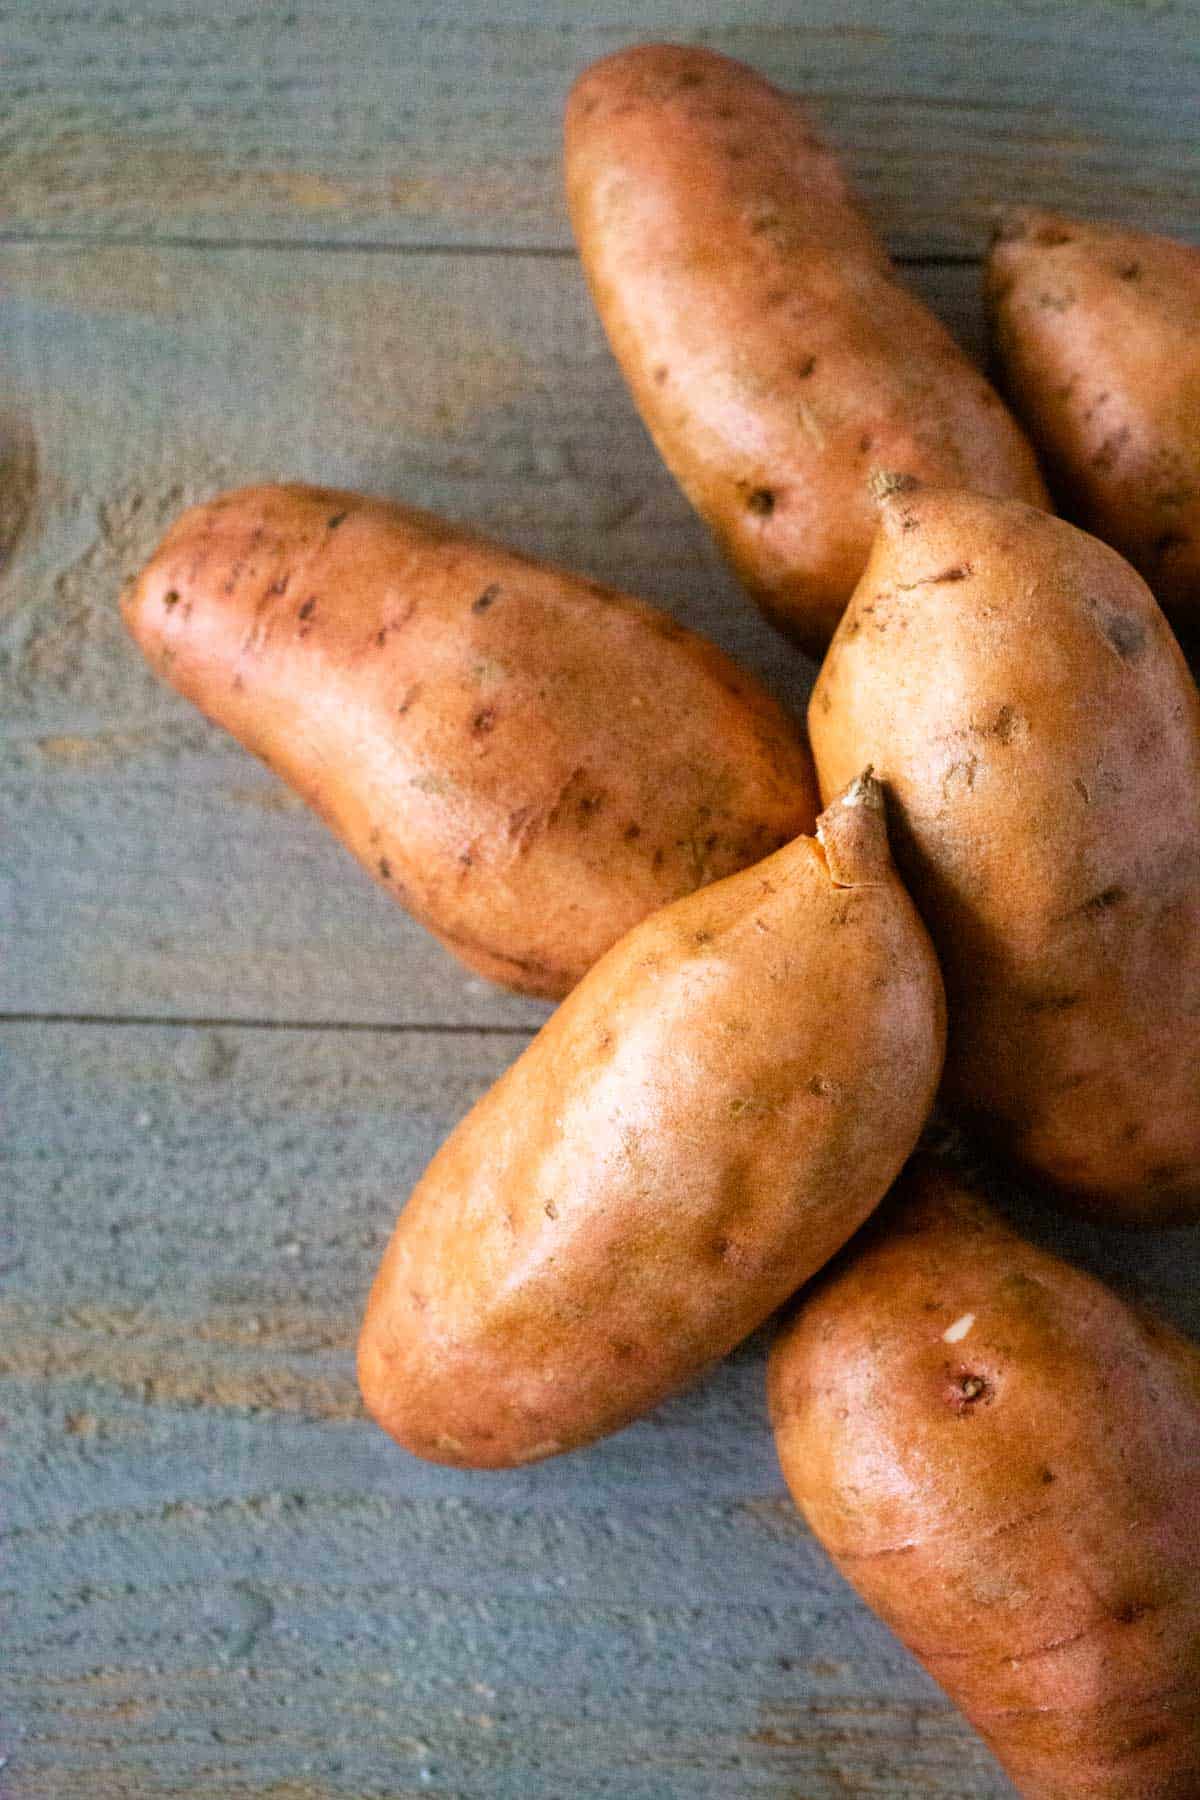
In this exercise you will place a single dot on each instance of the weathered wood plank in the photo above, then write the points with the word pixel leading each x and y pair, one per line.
pixel 217 1577
pixel 368 121
pixel 146 865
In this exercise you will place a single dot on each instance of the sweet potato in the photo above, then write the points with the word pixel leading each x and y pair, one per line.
pixel 1004 1459
pixel 1013 683
pixel 769 345
pixel 703 1122
pixel 1096 337
pixel 528 761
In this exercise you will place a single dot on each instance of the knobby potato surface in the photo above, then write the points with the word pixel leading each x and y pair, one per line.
pixel 704 1121
pixel 528 761
pixel 1016 688
pixel 770 347
pixel 1096 333
pixel 1004 1459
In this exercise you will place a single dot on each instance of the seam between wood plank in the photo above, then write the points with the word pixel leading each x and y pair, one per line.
pixel 364 1027
pixel 373 247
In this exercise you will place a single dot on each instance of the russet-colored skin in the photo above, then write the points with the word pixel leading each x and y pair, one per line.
pixel 1097 338
pixel 528 761
pixel 768 342
pixel 703 1122
pixel 1021 696
pixel 1004 1459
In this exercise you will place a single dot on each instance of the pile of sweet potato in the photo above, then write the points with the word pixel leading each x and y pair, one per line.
pixel 761 1008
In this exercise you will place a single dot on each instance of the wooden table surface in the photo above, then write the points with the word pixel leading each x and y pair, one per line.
pixel 326 240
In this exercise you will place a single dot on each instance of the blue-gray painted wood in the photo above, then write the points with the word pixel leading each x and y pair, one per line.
pixel 150 867
pixel 216 1578
pixel 216 1571
pixel 369 121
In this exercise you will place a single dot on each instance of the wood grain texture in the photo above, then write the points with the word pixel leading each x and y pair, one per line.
pixel 148 866
pixel 365 121
pixel 216 1577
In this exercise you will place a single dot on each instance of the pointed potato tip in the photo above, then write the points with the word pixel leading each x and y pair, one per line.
pixel 852 831
pixel 883 483
pixel 864 790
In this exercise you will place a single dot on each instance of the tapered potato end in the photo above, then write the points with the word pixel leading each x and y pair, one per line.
pixel 852 831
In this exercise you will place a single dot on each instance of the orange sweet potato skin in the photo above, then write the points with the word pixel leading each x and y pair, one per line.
pixel 1095 332
pixel 1014 685
pixel 769 345
pixel 1004 1459
pixel 528 761
pixel 701 1124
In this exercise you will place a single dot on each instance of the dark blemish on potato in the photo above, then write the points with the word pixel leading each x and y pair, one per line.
pixel 1052 1003
pixel 337 519
pixel 604 1040
pixel 308 609
pixel 280 585
pixel 483 721
pixel 1171 540
pixel 821 1086
pixel 587 107
pixel 550 1210
pixel 488 598
pixel 1127 636
pixel 702 937
pixel 661 373
pixel 385 868
pixel 805 368
pixel 690 78
pixel 964 770
pixel 865 442
pixel 1082 789
pixel 958 572
pixel 1131 1611
pixel 1106 456
pixel 408 700
pixel 1129 271
pixel 761 501
pixel 466 858
pixel 967 1391
pixel 632 831
pixel 723 1247
pixel 589 804
pixel 659 859
pixel 1047 1477
pixel 1145 1740
pixel 171 598
pixel 1056 302
pixel 1102 902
